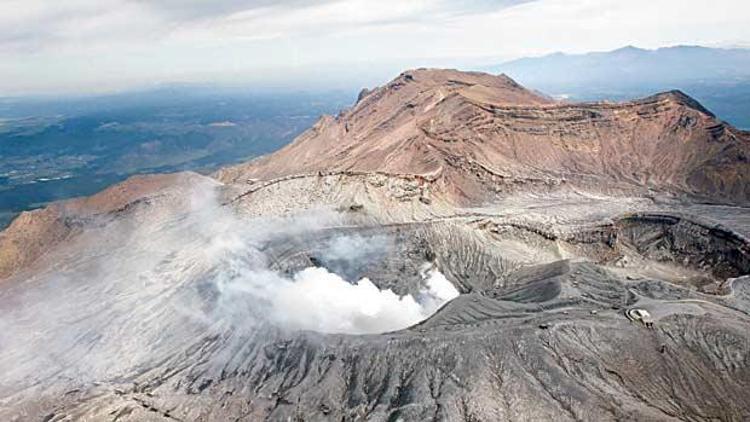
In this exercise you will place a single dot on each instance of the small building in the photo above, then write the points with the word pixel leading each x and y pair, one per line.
pixel 640 315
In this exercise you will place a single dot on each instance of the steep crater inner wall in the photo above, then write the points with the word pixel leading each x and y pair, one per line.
pixel 712 249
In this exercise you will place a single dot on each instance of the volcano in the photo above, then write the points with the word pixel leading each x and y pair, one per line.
pixel 489 247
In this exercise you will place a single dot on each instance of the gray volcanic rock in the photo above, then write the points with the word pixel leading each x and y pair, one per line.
pixel 163 298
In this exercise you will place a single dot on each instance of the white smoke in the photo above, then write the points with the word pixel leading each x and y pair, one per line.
pixel 325 299
pixel 319 300
pixel 439 290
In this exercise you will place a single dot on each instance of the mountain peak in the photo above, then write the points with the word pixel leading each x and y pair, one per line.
pixel 629 49
pixel 683 99
pixel 426 86
pixel 473 127
pixel 436 76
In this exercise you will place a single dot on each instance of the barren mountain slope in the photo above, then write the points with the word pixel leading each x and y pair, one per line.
pixel 33 233
pixel 482 133
pixel 180 297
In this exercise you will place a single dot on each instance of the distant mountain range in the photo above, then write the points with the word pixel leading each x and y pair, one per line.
pixel 718 78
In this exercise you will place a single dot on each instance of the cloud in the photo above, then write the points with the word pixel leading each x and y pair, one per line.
pixel 106 44
pixel 201 9
pixel 415 9
pixel 39 26
pixel 264 21
pixel 35 25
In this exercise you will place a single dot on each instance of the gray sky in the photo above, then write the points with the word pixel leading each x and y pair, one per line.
pixel 53 46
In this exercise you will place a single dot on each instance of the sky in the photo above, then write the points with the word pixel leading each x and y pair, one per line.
pixel 87 46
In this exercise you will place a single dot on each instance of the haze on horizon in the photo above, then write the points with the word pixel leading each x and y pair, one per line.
pixel 86 46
